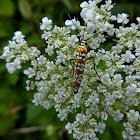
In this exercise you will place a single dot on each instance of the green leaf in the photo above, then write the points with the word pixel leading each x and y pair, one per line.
pixel 7 8
pixel 25 8
pixel 68 4
pixel 12 78
pixel 2 109
pixel 7 123
pixel 113 130
pixel 3 31
pixel 40 115
pixel 32 41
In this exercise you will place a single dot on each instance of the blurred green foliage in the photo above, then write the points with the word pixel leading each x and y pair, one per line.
pixel 19 119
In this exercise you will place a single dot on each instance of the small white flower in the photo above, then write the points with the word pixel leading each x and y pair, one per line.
pixel 55 78
pixel 58 43
pixel 46 24
pixel 110 71
pixel 92 122
pixel 118 94
pixel 25 56
pixel 138 90
pixel 91 134
pixel 110 100
pixel 38 98
pixel 117 49
pixel 30 72
pixel 49 50
pixel 18 37
pixel 104 115
pixel 61 58
pixel 100 127
pixel 92 100
pixel 122 18
pixel 72 24
pixel 133 115
pixel 126 135
pixel 118 116
pixel 91 27
pixel 13 66
pixel 34 52
pixel 108 5
pixel 138 51
pixel 118 80
pixel 128 56
pixel 46 35
pixel 62 114
pixel 72 40
pixel 113 17
pixel 84 4
pixel 106 79
pixel 41 60
pixel 90 15
pixel 130 79
pixel 83 13
pixel 7 54
pixel 50 65
pixel 30 85
pixel 117 77
pixel 12 44
pixel 80 118
pixel 129 69
pixel 69 127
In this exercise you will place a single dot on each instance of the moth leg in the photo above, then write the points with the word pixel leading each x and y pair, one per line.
pixel 94 66
pixel 72 66
pixel 62 64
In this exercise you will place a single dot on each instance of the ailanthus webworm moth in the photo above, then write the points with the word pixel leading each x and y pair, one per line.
pixel 80 60
pixel 81 57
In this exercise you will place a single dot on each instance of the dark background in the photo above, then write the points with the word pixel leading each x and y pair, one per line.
pixel 19 118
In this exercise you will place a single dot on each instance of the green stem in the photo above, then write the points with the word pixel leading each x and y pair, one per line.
pixel 116 106
pixel 82 108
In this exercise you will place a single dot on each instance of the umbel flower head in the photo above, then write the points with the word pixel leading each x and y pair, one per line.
pixel 110 83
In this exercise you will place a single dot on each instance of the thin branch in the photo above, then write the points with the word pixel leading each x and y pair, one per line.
pixel 27 130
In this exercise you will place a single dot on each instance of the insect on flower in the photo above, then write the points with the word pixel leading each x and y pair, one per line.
pixel 81 56
pixel 80 60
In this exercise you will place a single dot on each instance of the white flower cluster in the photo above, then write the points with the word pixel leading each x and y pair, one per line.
pixel 83 127
pixel 18 51
pixel 132 126
pixel 112 92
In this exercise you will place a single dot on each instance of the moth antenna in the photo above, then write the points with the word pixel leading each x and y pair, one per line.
pixel 91 37
pixel 73 22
